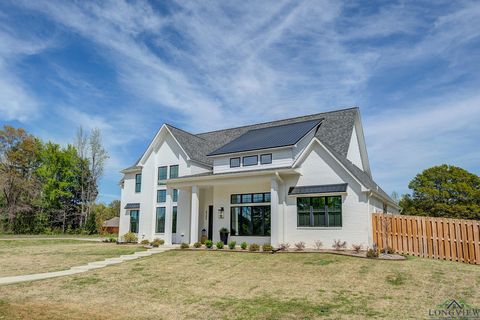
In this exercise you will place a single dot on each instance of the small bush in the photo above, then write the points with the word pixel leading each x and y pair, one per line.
pixel 372 253
pixel 244 245
pixel 112 239
pixel 145 242
pixel 130 237
pixel 209 244
pixel 356 247
pixel 300 246
pixel 184 245
pixel 339 245
pixel 197 245
pixel 254 247
pixel 318 244
pixel 157 242
pixel 267 247
pixel 284 246
pixel 232 245
pixel 389 250
pixel 220 245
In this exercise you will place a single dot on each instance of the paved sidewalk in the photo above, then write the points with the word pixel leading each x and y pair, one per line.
pixel 85 268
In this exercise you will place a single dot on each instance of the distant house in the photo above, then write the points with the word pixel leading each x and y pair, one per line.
pixel 111 225
pixel 300 179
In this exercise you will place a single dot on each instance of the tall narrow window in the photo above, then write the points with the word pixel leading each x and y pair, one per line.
pixel 161 196
pixel 134 221
pixel 175 195
pixel 138 182
pixel 174 172
pixel 162 173
pixel 160 221
pixel 174 222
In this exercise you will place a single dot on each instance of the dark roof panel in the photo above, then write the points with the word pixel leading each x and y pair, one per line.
pixel 132 206
pixel 271 137
pixel 327 188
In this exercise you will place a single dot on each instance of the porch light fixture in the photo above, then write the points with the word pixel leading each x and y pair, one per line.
pixel 220 213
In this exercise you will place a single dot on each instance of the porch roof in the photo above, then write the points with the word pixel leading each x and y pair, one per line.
pixel 327 188
pixel 132 206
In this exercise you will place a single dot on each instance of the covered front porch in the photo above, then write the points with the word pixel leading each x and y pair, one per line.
pixel 249 205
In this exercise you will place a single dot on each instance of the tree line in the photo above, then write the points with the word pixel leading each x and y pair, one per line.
pixel 45 187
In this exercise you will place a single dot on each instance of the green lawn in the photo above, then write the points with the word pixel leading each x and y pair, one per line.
pixel 222 285
pixel 28 256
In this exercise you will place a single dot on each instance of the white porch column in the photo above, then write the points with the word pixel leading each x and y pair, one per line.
pixel 168 217
pixel 275 218
pixel 194 215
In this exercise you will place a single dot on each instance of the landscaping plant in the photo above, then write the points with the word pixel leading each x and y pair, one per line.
pixel 254 247
pixel 197 245
pixel 130 237
pixel 157 242
pixel 267 247
pixel 184 245
pixel 356 247
pixel 244 245
pixel 232 245
pixel 339 245
pixel 372 253
pixel 318 244
pixel 284 246
pixel 300 246
pixel 220 245
pixel 145 242
pixel 208 244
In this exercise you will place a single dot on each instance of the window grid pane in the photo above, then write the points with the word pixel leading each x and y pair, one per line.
pixel 162 173
pixel 174 172
pixel 266 158
pixel 160 225
pixel 175 195
pixel 161 196
pixel 319 211
pixel 234 162
pixel 250 161
pixel 138 182
pixel 174 222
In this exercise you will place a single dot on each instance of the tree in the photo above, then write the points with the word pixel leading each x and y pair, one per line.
pixel 444 191
pixel 395 197
pixel 115 208
pixel 19 160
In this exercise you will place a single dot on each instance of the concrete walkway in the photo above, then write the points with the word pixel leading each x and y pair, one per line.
pixel 85 268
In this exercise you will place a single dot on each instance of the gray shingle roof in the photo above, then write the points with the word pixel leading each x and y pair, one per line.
pixel 270 137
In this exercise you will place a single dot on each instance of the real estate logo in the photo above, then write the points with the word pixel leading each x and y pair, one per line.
pixel 453 309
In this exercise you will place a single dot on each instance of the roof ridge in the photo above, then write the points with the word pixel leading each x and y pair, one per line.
pixel 279 120
pixel 192 134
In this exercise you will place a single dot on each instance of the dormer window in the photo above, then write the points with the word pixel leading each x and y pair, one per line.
pixel 234 162
pixel 266 158
pixel 250 161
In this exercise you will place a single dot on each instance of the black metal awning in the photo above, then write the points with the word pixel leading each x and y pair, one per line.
pixel 327 188
pixel 132 206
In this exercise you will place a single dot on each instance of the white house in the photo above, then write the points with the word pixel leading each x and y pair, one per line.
pixel 300 179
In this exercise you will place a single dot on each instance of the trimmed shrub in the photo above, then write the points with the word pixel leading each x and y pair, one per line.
pixel 220 245
pixel 372 253
pixel 145 242
pixel 318 244
pixel 184 245
pixel 232 245
pixel 130 237
pixel 284 246
pixel 209 244
pixel 339 245
pixel 390 250
pixel 300 246
pixel 356 247
pixel 197 245
pixel 244 245
pixel 267 247
pixel 157 242
pixel 254 247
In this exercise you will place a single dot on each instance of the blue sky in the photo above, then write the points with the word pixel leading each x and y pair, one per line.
pixel 413 68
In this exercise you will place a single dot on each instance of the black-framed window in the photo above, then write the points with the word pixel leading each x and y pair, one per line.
pixel 250 161
pixel 173 171
pixel 160 220
pixel 175 195
pixel 162 173
pixel 250 221
pixel 319 211
pixel 174 217
pixel 134 218
pixel 234 162
pixel 161 196
pixel 250 198
pixel 266 158
pixel 138 182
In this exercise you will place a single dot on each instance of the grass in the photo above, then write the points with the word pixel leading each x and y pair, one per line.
pixel 18 257
pixel 217 285
pixel 56 235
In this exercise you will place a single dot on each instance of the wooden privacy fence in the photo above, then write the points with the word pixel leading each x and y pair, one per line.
pixel 436 238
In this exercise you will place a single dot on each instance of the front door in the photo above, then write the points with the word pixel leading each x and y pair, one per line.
pixel 210 222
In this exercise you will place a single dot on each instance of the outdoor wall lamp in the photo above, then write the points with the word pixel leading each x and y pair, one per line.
pixel 220 213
